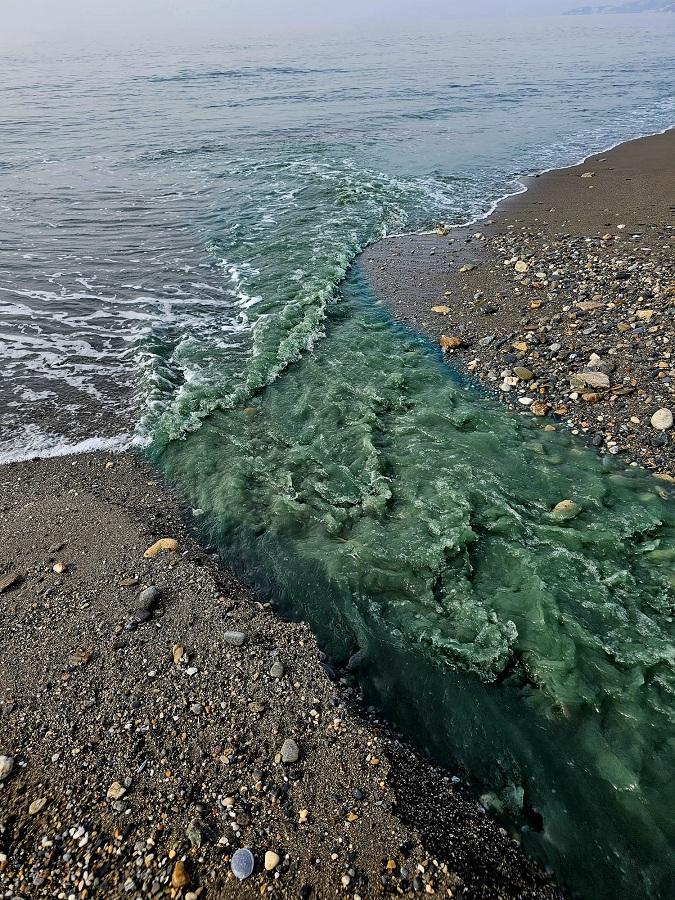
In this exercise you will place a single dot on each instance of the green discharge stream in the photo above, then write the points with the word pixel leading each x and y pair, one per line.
pixel 404 514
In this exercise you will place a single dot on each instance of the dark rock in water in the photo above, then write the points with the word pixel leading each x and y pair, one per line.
pixel 659 440
pixel 597 440
pixel 242 863
pixel 356 660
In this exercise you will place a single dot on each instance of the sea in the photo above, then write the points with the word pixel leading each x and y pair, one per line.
pixel 179 225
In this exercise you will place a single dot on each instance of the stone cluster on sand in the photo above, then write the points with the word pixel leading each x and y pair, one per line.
pixel 583 335
pixel 204 750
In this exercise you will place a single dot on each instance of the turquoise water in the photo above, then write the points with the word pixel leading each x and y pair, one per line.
pixel 179 227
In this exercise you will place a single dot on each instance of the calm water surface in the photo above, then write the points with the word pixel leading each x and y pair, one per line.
pixel 176 228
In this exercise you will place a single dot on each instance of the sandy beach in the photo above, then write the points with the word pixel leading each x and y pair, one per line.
pixel 157 716
pixel 562 302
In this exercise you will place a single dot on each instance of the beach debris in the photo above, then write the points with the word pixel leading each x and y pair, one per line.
pixel 9 580
pixel 450 342
pixel 242 863
pixel 566 509
pixel 468 267
pixel 442 230
pixel 588 175
pixel 6 766
pixel 161 546
pixel 179 876
pixel 442 310
pixel 177 654
pixel 662 419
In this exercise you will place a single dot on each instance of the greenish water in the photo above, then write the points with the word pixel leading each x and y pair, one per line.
pixel 406 515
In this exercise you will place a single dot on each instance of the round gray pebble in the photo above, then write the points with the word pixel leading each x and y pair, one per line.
pixel 242 863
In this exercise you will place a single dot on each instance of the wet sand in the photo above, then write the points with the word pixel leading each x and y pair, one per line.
pixel 573 284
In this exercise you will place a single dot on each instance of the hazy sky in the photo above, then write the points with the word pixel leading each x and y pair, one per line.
pixel 27 19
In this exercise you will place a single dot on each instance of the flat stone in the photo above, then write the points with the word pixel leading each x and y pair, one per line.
pixel 662 419
pixel 37 806
pixel 179 876
pixel 235 638
pixel 290 752
pixel 523 373
pixel 242 863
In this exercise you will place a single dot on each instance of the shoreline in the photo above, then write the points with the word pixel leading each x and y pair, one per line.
pixel 118 700
pixel 570 252
pixel 148 733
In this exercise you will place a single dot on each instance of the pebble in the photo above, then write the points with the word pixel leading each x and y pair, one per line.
pixel 179 876
pixel 566 509
pixel 6 766
pixel 662 419
pixel 148 597
pixel 116 791
pixel 235 638
pixel 242 863
pixel 277 670
pixel 37 806
pixel 290 751
pixel 272 860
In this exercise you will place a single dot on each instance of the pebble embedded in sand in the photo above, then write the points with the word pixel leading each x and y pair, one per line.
pixel 272 860
pixel 179 876
pixel 242 863
pixel 522 267
pixel 662 419
pixel 290 752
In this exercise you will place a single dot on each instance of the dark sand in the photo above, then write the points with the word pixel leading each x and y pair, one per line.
pixel 591 287
pixel 141 740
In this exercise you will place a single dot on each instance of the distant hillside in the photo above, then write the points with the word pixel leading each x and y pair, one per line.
pixel 634 6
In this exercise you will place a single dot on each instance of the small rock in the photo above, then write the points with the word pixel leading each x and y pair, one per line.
pixel 37 806
pixel 272 860
pixel 59 568
pixel 566 509
pixel 290 752
pixel 521 267
pixel 235 638
pixel 523 373
pixel 148 597
pixel 6 766
pixel 179 876
pixel 242 863
pixel 449 342
pixel 277 670
pixel 8 581
pixel 662 419
pixel 116 791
